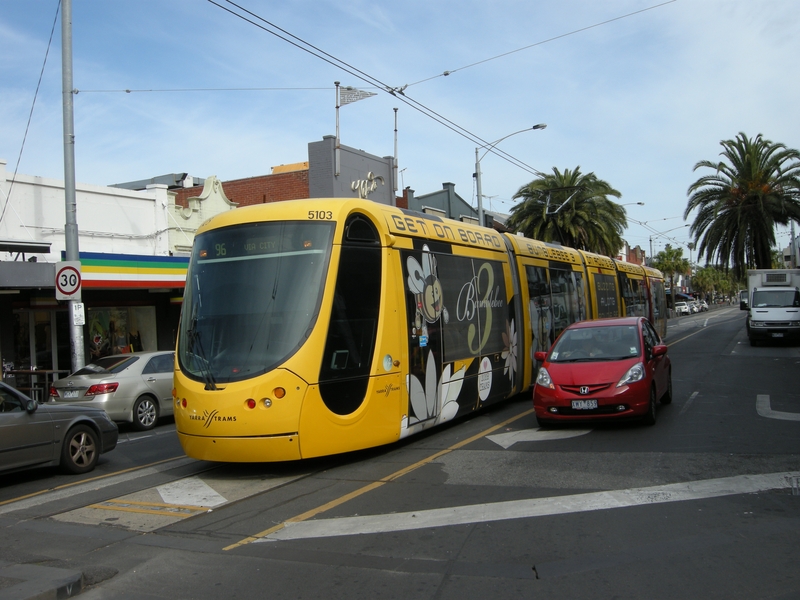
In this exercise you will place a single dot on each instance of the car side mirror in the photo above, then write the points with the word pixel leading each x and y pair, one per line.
pixel 659 350
pixel 743 305
pixel 31 405
pixel 540 356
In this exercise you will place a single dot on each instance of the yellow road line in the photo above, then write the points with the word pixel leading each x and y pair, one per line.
pixel 150 508
pixel 375 484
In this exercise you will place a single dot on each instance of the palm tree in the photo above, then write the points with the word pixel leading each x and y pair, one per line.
pixel 742 201
pixel 710 280
pixel 572 209
pixel 670 261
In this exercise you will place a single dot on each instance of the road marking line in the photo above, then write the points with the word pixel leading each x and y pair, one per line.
pixel 71 489
pixel 190 491
pixel 686 406
pixel 375 484
pixel 537 507
pixel 150 508
pixel 765 410
pixel 506 440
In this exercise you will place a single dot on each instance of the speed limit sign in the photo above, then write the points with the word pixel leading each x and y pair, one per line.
pixel 68 280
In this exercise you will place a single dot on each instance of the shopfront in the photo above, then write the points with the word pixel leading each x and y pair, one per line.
pixel 131 303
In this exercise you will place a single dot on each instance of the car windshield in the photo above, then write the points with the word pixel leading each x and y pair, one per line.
pixel 252 296
pixel 590 344
pixel 109 364
pixel 775 298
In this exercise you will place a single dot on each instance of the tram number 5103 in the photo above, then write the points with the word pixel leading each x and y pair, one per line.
pixel 316 215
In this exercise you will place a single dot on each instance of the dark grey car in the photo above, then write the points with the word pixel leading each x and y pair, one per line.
pixel 42 435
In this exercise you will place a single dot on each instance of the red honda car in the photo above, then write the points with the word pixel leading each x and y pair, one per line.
pixel 605 369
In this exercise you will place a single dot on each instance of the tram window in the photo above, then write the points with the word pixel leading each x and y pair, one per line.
pixel 350 344
pixel 540 313
pixel 606 291
pixel 567 301
pixel 632 291
pixel 474 295
pixel 360 230
pixel 659 298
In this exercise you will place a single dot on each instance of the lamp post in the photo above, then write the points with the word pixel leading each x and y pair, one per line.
pixel 478 159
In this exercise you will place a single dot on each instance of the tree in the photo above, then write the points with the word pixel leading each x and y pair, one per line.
pixel 670 261
pixel 572 209
pixel 709 280
pixel 742 201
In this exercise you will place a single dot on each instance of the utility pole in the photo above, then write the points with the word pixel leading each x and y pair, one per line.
pixel 71 226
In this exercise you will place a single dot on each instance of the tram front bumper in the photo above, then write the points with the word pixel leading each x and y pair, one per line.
pixel 274 448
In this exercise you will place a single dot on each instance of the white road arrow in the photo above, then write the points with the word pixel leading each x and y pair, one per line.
pixel 506 440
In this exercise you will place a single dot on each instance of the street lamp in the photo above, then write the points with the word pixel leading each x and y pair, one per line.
pixel 489 147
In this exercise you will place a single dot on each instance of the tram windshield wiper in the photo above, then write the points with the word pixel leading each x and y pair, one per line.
pixel 195 348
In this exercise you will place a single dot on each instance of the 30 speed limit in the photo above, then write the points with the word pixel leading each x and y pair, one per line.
pixel 68 280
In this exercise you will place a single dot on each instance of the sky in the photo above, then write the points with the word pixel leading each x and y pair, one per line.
pixel 635 91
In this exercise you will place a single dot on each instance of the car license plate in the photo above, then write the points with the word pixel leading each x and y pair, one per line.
pixel 777 335
pixel 584 404
pixel 71 394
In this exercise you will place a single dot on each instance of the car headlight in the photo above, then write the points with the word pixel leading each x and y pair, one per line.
pixel 634 374
pixel 757 324
pixel 543 379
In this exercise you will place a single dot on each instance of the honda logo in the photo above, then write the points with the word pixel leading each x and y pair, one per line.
pixel 584 390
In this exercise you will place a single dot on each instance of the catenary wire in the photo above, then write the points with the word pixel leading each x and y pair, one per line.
pixel 355 72
pixel 552 39
pixel 30 115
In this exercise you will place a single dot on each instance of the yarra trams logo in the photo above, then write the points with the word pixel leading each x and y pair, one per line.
pixel 212 417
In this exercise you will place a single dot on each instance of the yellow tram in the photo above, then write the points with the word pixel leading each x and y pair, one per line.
pixel 314 327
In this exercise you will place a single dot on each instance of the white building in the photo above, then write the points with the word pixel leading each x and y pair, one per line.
pixel 133 252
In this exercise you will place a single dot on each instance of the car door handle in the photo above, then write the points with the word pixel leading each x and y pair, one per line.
pixel 151 379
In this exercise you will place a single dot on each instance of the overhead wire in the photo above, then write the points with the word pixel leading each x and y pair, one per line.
pixel 367 78
pixel 397 92
pixel 30 114
pixel 558 37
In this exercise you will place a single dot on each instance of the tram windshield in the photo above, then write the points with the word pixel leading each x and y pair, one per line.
pixel 252 296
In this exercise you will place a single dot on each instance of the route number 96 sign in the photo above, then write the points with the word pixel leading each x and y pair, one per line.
pixel 68 280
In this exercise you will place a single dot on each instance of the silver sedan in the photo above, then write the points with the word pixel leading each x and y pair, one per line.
pixel 133 388
pixel 41 435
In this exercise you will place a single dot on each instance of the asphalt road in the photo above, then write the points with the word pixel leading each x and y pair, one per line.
pixel 699 506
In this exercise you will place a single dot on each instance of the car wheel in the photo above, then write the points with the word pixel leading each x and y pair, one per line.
pixel 667 397
pixel 81 450
pixel 650 416
pixel 145 413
